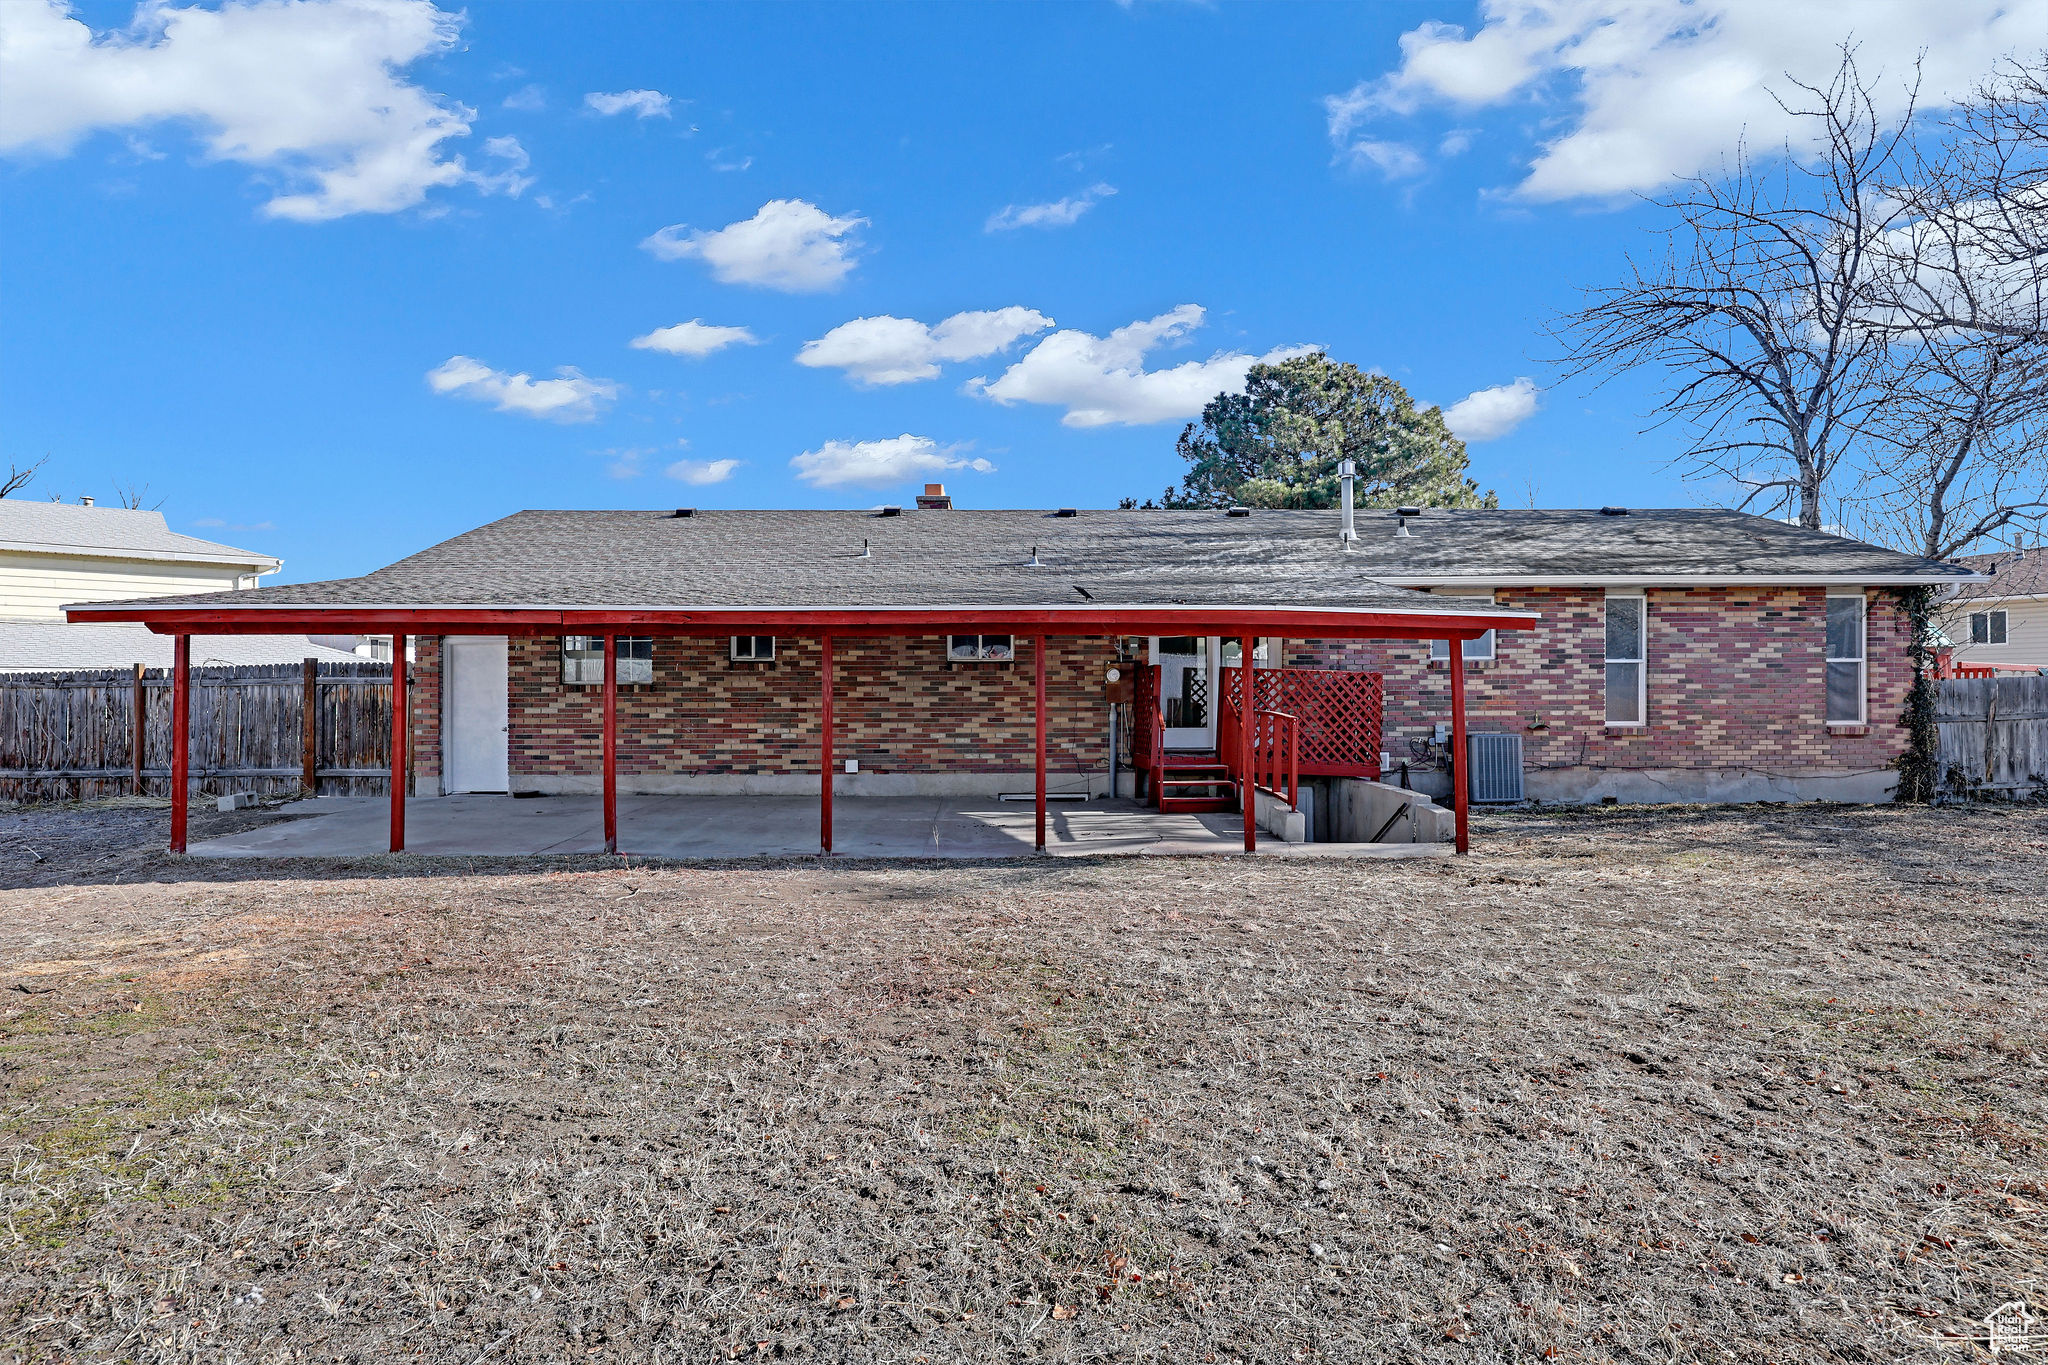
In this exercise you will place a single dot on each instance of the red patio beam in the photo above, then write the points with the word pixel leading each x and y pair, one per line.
pixel 1038 685
pixel 400 738
pixel 1248 792
pixel 825 742
pixel 1461 786
pixel 181 737
pixel 611 744
pixel 935 621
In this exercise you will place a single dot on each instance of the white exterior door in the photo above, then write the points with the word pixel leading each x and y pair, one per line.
pixel 475 728
pixel 1187 687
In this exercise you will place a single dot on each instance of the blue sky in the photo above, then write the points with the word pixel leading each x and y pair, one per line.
pixel 285 263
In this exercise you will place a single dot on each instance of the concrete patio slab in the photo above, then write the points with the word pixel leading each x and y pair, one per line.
pixel 755 826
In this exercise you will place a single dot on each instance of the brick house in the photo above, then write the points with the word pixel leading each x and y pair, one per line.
pixel 1641 654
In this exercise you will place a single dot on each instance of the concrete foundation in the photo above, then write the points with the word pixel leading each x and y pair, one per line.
pixel 1686 786
pixel 1706 786
pixel 1360 810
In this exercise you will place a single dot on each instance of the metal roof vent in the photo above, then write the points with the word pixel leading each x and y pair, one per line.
pixel 1401 530
pixel 890 510
pixel 865 552
pixel 686 511
pixel 1032 563
pixel 1408 511
pixel 1238 512
pixel 1614 511
pixel 1068 512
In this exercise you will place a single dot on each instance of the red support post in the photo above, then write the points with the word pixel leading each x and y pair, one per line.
pixel 181 736
pixel 611 744
pixel 1461 788
pixel 1038 681
pixel 1247 789
pixel 400 739
pixel 825 744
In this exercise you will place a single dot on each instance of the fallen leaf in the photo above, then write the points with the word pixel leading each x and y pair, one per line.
pixel 1063 1312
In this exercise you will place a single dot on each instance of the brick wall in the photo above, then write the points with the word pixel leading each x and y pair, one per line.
pixel 899 707
pixel 1735 682
pixel 423 696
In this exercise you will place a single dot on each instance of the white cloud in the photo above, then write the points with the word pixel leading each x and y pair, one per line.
pixel 571 397
pixel 886 350
pixel 1059 213
pixel 639 103
pixel 1489 414
pixel 527 99
pixel 878 464
pixel 1664 88
pixel 308 89
pixel 789 245
pixel 702 472
pixel 1394 160
pixel 694 339
pixel 1103 380
pixel 512 178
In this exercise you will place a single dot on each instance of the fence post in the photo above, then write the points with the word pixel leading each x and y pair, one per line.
pixel 141 731
pixel 309 725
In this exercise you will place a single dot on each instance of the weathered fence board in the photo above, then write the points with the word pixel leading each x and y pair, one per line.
pixel 1994 735
pixel 71 736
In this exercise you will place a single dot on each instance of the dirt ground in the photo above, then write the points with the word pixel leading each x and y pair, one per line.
pixel 1755 1084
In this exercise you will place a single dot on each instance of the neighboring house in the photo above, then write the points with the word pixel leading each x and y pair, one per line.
pixel 54 553
pixel 1638 654
pixel 2001 621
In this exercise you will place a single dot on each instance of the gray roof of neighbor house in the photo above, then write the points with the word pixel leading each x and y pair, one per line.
pixel 112 533
pixel 813 559
pixel 63 646
pixel 2009 573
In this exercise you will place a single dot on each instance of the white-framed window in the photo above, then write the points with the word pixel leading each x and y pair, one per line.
pixel 980 647
pixel 1846 665
pixel 1987 627
pixel 583 660
pixel 753 647
pixel 1479 650
pixel 1627 692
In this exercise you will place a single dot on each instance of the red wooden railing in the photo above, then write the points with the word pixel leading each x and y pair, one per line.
pixel 1945 666
pixel 1276 754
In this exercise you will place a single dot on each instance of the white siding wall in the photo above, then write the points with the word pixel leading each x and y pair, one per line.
pixel 35 586
pixel 2026 634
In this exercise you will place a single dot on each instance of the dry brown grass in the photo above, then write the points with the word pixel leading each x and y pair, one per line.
pixel 1755 1085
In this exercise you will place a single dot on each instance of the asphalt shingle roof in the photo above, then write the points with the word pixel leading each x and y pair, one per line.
pixel 115 532
pixel 2010 573
pixel 962 557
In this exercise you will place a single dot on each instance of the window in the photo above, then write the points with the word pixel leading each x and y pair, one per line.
pixel 1987 627
pixel 1625 621
pixel 583 659
pixel 965 647
pixel 1845 659
pixel 753 646
pixel 1481 648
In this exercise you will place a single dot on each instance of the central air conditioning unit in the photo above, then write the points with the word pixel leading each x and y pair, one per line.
pixel 1495 770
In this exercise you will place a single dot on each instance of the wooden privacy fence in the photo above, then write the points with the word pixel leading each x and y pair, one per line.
pixel 107 732
pixel 1994 735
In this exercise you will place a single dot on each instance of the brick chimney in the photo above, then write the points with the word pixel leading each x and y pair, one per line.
pixel 934 499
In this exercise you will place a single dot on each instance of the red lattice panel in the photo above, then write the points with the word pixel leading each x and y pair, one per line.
pixel 1340 711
